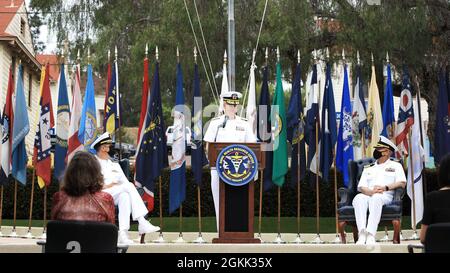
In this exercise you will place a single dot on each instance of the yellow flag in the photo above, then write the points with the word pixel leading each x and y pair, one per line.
pixel 374 118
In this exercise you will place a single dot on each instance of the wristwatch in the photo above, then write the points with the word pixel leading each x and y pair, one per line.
pixel 387 188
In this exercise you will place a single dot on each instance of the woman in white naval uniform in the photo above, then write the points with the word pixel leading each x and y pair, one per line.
pixel 377 184
pixel 227 128
pixel 123 192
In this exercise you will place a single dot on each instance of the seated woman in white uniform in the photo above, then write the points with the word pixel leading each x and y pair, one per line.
pixel 227 128
pixel 377 184
pixel 123 192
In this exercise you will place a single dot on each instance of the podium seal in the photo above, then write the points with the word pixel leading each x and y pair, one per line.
pixel 237 165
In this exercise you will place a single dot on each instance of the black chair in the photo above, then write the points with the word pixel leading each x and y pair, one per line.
pixel 391 214
pixel 437 239
pixel 81 237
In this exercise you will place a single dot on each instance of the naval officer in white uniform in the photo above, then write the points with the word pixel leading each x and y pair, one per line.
pixel 227 128
pixel 377 184
pixel 123 192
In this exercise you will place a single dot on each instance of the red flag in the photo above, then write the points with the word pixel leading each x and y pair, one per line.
pixel 7 127
pixel 106 95
pixel 74 143
pixel 42 142
pixel 145 94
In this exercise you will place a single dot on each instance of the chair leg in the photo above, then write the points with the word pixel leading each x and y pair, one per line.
pixel 396 224
pixel 142 238
pixel 341 226
pixel 355 233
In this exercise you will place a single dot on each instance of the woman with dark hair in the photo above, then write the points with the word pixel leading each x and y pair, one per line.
pixel 437 205
pixel 81 196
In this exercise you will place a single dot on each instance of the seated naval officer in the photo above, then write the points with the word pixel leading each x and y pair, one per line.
pixel 227 128
pixel 376 186
pixel 123 192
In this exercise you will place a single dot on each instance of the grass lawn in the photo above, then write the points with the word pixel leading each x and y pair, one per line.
pixel 269 224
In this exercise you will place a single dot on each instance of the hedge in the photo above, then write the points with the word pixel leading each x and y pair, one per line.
pixel 288 197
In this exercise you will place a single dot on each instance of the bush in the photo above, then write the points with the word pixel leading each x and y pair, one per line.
pixel 288 197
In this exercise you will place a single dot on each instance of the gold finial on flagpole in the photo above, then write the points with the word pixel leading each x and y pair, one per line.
pixel 89 55
pixel 343 55
pixel 372 58
pixel 387 57
pixel 178 55
pixel 225 57
pixel 109 55
pixel 298 55
pixel 195 54
pixel 78 56
pixel 278 54
pixel 315 55
pixel 358 60
pixel 146 50
pixel 115 53
pixel 267 55
pixel 157 54
pixel 328 54
pixel 253 56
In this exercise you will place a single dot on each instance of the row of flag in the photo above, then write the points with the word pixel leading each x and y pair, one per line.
pixel 315 126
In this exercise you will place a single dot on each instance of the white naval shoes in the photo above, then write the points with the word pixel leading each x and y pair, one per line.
pixel 123 238
pixel 370 239
pixel 147 227
pixel 362 237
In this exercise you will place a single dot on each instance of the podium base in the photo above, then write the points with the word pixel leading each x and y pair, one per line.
pixel 236 241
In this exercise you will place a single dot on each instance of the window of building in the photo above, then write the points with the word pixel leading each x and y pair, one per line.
pixel 22 27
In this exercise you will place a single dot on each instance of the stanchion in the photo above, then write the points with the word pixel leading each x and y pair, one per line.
pixel 44 231
pixel 180 239
pixel 14 233
pixel 410 167
pixel 29 235
pixel 317 240
pixel 279 240
pixel 199 239
pixel 161 236
pixel 298 239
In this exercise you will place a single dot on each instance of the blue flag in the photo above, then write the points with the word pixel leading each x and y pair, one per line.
pixel 295 130
pixel 111 120
pixel 177 189
pixel 312 117
pixel 88 122
pixel 344 149
pixel 198 156
pixel 264 127
pixel 328 129
pixel 388 107
pixel 62 125
pixel 442 133
pixel 151 156
pixel 21 127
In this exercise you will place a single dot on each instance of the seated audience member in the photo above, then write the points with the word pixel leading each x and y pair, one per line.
pixel 437 204
pixel 376 186
pixel 81 196
pixel 124 193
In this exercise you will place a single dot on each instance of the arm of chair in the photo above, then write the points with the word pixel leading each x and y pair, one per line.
pixel 412 247
pixel 42 244
pixel 344 195
pixel 398 195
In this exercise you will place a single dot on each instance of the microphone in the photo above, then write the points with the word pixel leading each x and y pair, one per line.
pixel 224 123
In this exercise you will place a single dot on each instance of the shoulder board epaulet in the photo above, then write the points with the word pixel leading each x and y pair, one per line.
pixel 216 118
pixel 244 119
pixel 369 165
pixel 114 160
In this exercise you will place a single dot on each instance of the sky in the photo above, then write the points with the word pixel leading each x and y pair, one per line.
pixel 46 36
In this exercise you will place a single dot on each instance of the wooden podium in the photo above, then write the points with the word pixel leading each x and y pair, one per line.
pixel 236 211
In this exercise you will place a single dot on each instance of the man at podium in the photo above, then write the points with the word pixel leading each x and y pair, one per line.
pixel 227 128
